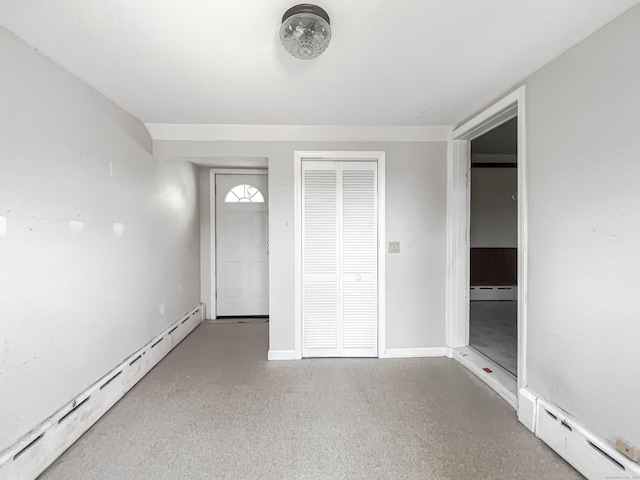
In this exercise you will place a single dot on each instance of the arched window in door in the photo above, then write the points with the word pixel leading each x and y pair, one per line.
pixel 244 194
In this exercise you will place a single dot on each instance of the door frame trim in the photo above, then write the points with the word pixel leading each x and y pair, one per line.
pixel 212 225
pixel 458 222
pixel 374 156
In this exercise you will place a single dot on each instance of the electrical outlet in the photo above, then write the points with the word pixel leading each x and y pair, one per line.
pixel 394 247
pixel 627 449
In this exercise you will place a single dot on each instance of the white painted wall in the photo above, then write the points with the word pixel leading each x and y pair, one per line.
pixel 205 239
pixel 415 216
pixel 583 139
pixel 74 303
pixel 494 214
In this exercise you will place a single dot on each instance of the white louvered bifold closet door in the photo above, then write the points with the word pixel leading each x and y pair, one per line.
pixel 339 252
pixel 359 255
pixel 320 259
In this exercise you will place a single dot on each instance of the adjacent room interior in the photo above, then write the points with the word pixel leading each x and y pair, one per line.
pixel 493 303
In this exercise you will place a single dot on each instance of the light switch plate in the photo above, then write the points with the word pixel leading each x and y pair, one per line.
pixel 394 247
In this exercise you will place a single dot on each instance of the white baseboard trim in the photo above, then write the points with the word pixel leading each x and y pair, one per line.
pixel 527 408
pixel 35 451
pixel 416 352
pixel 283 355
pixel 592 456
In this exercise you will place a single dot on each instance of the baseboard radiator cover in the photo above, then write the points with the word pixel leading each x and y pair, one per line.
pixel 35 451
pixel 502 292
pixel 595 458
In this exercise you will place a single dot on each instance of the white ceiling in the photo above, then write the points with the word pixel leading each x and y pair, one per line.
pixel 406 62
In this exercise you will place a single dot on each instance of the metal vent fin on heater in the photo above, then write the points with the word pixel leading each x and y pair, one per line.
pixel 607 455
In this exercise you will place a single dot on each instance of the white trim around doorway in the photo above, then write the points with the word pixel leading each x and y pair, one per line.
pixel 212 314
pixel 458 205
pixel 375 156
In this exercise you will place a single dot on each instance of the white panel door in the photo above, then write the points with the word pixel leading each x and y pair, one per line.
pixel 242 229
pixel 339 257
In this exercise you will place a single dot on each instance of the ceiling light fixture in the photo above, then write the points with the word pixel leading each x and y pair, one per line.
pixel 305 32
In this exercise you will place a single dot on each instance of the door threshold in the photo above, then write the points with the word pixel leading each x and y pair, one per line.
pixel 500 380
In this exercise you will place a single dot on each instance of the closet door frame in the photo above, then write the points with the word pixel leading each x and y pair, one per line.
pixel 332 156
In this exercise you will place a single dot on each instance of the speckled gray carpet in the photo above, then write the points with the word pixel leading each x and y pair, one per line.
pixel 215 408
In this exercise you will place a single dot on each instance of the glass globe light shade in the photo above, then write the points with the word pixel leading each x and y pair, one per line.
pixel 305 32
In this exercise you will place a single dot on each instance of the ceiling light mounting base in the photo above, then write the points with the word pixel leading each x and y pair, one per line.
pixel 306 8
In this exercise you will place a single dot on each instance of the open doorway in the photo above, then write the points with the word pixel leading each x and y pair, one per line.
pixel 511 388
pixel 493 252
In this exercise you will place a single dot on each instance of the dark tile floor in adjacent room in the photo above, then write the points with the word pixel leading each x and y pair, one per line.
pixel 215 408
pixel 493 331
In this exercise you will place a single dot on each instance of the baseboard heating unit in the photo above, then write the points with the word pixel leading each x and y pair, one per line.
pixel 35 451
pixel 509 292
pixel 591 456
